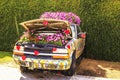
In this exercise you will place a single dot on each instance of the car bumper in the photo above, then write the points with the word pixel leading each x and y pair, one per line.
pixel 45 64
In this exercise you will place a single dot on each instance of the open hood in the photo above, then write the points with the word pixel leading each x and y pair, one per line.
pixel 44 23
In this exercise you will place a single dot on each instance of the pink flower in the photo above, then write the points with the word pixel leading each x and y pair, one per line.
pixel 69 16
pixel 56 38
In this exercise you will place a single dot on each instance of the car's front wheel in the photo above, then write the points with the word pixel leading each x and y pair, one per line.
pixel 72 69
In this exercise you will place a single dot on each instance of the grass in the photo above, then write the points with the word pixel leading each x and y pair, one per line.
pixel 5 57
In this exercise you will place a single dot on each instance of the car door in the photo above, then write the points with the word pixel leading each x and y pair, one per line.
pixel 80 43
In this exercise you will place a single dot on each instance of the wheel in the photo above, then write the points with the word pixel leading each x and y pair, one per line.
pixel 23 69
pixel 79 59
pixel 72 69
pixel 83 55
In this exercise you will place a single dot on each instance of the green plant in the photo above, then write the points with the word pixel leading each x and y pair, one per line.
pixel 5 57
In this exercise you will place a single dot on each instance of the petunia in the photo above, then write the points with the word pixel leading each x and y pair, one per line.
pixel 71 17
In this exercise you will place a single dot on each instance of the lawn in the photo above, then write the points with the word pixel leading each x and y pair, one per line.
pixel 5 57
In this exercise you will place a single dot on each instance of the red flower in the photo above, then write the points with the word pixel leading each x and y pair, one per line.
pixel 83 35
pixel 54 49
pixel 67 32
pixel 45 23
pixel 36 53
pixel 23 57
pixel 68 46
pixel 18 47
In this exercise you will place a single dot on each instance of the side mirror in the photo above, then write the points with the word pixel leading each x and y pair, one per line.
pixel 81 35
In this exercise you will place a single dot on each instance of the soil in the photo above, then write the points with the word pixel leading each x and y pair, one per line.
pixel 99 68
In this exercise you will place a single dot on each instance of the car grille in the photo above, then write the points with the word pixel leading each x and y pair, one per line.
pixel 38 57
pixel 41 50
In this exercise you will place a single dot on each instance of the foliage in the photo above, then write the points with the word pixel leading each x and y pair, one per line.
pixel 99 18
pixel 5 57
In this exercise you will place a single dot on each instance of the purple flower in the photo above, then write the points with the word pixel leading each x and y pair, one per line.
pixel 57 38
pixel 58 35
pixel 64 42
pixel 40 38
pixel 69 16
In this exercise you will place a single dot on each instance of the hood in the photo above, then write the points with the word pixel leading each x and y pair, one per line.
pixel 45 23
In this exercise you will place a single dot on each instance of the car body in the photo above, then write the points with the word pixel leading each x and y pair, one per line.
pixel 34 53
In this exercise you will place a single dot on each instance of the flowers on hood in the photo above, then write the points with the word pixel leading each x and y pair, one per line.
pixel 69 16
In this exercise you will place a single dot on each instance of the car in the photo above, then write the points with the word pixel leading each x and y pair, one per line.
pixel 49 44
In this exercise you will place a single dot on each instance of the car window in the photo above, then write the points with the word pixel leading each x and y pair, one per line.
pixel 78 29
pixel 74 33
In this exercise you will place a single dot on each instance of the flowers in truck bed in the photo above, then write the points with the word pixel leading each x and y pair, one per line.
pixel 56 39
pixel 69 16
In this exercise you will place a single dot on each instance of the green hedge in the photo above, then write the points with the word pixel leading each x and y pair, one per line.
pixel 100 19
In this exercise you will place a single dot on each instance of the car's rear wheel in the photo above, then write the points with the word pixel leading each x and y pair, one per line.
pixel 79 59
pixel 23 69
pixel 72 69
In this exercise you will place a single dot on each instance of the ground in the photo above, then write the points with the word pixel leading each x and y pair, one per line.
pixel 87 67
pixel 99 68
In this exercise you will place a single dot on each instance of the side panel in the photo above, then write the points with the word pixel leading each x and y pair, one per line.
pixel 79 46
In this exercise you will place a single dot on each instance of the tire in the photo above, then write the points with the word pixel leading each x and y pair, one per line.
pixel 79 59
pixel 72 69
pixel 84 54
pixel 23 69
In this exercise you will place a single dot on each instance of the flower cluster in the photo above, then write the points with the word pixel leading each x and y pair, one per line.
pixel 56 38
pixel 59 38
pixel 69 16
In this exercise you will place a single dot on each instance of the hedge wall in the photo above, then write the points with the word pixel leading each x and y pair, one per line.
pixel 100 19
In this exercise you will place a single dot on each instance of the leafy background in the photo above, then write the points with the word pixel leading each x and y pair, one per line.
pixel 100 19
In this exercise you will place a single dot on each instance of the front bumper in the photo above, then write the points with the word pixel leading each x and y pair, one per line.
pixel 45 64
